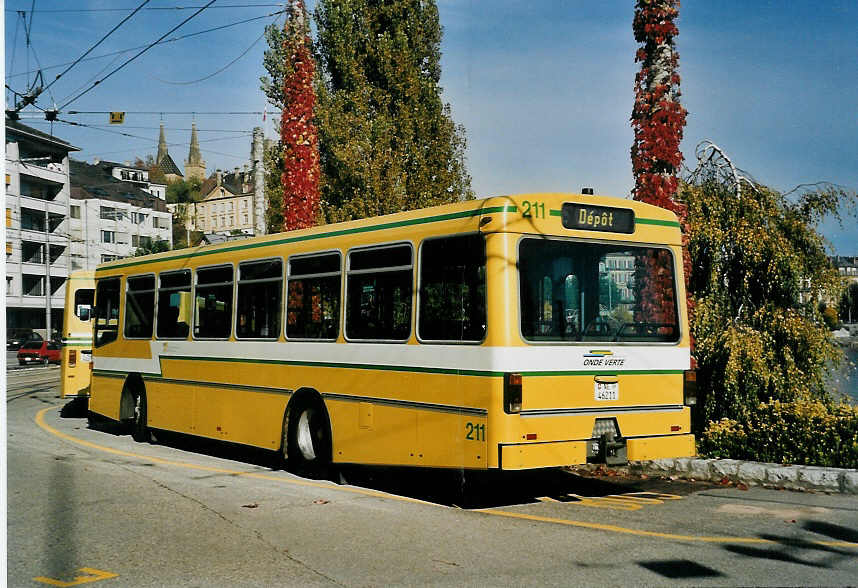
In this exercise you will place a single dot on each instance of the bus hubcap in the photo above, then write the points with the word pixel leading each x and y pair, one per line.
pixel 305 436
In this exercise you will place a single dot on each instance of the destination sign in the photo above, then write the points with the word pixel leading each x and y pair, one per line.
pixel 598 218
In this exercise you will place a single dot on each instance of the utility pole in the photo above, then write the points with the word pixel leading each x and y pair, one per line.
pixel 47 271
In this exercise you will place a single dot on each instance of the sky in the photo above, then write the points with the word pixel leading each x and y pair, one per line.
pixel 543 88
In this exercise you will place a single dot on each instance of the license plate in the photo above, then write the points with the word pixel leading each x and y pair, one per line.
pixel 607 391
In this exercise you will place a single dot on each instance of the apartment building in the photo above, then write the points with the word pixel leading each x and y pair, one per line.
pixel 37 228
pixel 109 218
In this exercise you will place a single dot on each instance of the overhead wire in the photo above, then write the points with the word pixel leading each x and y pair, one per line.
pixel 164 42
pixel 161 8
pixel 100 41
pixel 14 47
pixel 66 103
pixel 213 74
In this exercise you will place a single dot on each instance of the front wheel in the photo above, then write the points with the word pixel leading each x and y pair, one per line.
pixel 308 445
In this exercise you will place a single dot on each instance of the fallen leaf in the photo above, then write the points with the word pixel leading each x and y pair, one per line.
pixel 251 505
pixel 321 501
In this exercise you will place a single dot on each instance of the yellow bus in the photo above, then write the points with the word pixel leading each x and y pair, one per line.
pixel 76 354
pixel 508 333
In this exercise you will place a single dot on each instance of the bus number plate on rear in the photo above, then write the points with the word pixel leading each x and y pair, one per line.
pixel 607 391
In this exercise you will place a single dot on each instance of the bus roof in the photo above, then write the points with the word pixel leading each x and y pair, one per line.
pixel 509 213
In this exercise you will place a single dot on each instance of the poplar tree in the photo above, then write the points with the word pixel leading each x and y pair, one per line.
pixel 290 63
pixel 657 119
pixel 387 141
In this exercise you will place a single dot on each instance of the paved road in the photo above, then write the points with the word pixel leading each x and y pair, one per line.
pixel 92 504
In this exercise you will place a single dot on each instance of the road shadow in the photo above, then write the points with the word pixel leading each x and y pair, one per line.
pixel 831 530
pixel 801 551
pixel 445 486
pixel 75 408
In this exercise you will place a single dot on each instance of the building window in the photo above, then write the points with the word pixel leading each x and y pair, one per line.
pixel 108 213
pixel 106 258
pixel 32 285
pixel 8 217
pixel 75 212
pixel 245 219
pixel 108 236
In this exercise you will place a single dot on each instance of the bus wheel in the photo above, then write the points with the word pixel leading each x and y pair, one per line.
pixel 308 439
pixel 139 430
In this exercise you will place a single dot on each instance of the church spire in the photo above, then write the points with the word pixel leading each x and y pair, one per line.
pixel 194 165
pixel 162 146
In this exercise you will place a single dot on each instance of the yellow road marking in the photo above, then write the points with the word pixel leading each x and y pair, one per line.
pixel 604 502
pixel 92 575
pixel 40 421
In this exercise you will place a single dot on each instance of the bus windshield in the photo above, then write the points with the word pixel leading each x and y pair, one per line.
pixel 576 291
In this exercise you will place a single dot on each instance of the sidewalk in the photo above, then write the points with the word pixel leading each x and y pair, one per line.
pixel 805 478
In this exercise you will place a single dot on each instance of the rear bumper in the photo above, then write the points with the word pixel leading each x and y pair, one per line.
pixel 522 456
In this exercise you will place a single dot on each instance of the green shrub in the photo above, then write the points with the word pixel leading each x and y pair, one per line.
pixel 802 432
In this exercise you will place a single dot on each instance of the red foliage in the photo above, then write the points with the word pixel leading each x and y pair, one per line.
pixel 657 119
pixel 298 134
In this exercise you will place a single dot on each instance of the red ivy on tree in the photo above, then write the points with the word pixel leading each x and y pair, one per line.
pixel 298 134
pixel 657 119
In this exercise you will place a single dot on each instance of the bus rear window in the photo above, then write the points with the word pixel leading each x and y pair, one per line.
pixel 573 291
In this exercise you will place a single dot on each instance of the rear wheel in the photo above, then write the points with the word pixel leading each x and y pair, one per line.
pixel 308 443
pixel 139 429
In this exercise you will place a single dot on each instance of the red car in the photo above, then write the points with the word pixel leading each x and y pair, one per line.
pixel 39 352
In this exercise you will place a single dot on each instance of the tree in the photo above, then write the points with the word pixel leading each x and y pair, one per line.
pixel 758 334
pixel 291 67
pixel 157 246
pixel 849 304
pixel 298 134
pixel 657 119
pixel 184 191
pixel 387 142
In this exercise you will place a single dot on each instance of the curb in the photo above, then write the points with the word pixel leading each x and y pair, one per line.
pixel 793 477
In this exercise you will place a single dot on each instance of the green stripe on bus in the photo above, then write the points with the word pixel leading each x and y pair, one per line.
pixel 639 220
pixel 653 221
pixel 339 233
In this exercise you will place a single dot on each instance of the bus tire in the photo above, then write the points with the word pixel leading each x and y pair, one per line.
pixel 139 429
pixel 308 437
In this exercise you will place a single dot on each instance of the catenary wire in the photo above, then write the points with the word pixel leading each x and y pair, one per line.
pixel 160 8
pixel 100 41
pixel 213 74
pixel 137 55
pixel 164 42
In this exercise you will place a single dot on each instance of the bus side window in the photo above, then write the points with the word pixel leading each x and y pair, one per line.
pixel 258 302
pixel 378 293
pixel 106 311
pixel 313 299
pixel 213 303
pixel 453 289
pixel 139 306
pixel 173 288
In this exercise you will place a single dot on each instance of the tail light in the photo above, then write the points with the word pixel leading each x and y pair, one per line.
pixel 689 387
pixel 72 357
pixel 512 393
